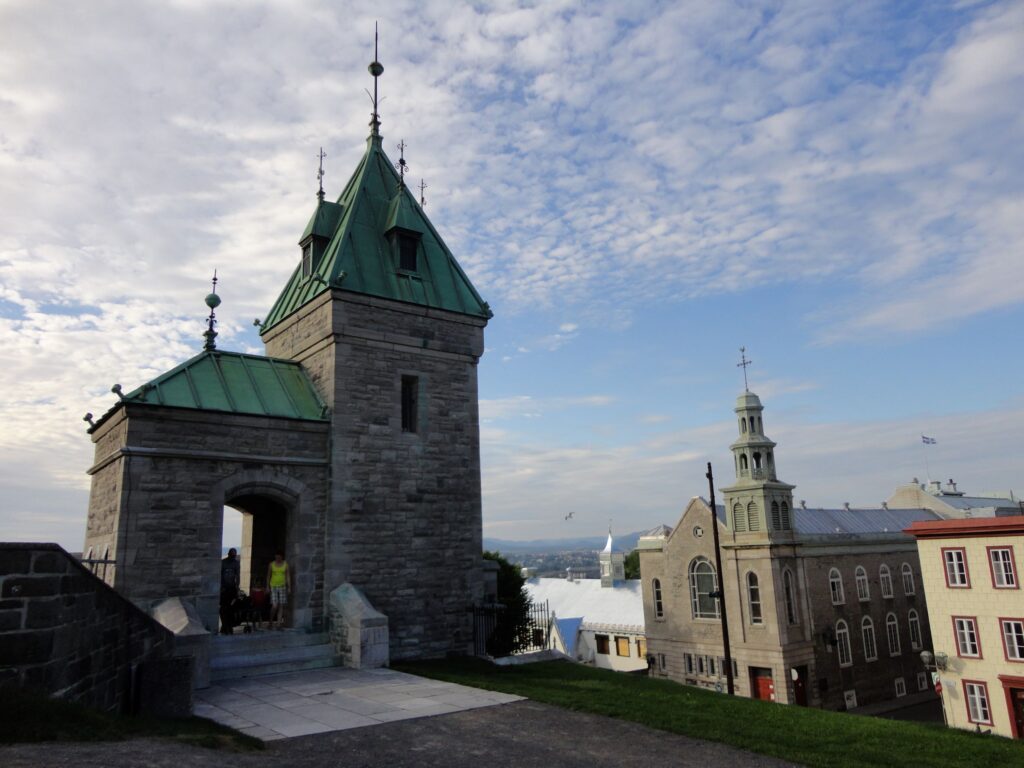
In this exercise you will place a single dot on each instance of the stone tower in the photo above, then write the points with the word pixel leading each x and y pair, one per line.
pixel 757 505
pixel 390 329
pixel 613 564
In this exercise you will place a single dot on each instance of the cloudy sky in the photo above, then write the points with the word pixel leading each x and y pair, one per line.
pixel 638 189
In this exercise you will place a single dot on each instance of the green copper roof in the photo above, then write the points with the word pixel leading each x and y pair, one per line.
pixel 324 220
pixel 361 258
pixel 236 383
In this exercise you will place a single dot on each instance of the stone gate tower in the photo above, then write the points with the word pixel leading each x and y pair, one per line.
pixel 353 444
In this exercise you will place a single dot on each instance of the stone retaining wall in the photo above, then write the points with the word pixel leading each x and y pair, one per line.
pixel 65 633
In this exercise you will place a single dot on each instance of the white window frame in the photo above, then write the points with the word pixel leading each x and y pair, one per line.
pixel 843 647
pixel 901 687
pixel 968 644
pixel 1004 574
pixel 860 576
pixel 754 607
pixel 909 583
pixel 867 636
pixel 914 621
pixel 892 633
pixel 954 561
pixel 1012 631
pixel 979 709
pixel 659 605
pixel 922 681
pixel 885 580
pixel 835 585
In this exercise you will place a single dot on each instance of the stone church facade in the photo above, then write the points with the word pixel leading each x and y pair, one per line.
pixel 353 444
pixel 825 608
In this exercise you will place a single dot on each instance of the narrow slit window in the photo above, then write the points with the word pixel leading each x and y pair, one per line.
pixel 410 403
pixel 407 247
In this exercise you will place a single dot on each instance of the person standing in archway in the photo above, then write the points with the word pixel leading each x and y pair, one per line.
pixel 280 581
pixel 230 575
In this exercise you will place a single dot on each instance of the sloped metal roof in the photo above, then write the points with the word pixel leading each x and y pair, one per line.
pixel 586 599
pixel 978 502
pixel 823 522
pixel 235 383
pixel 360 258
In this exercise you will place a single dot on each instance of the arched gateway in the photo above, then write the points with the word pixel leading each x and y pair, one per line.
pixel 355 439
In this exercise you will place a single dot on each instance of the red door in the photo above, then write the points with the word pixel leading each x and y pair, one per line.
pixel 1017 700
pixel 761 684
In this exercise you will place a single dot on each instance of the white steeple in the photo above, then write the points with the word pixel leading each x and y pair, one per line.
pixel 613 563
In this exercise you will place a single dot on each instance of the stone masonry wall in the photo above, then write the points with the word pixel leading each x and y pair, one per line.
pixel 179 468
pixel 65 633
pixel 405 516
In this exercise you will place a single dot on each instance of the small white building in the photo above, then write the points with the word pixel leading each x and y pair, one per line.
pixel 596 621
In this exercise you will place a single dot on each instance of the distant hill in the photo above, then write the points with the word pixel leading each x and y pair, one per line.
pixel 625 542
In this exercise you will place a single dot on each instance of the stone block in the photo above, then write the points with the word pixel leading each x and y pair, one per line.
pixel 10 620
pixel 26 647
pixel 358 631
pixel 14 561
pixel 191 638
pixel 49 562
pixel 165 686
pixel 31 586
pixel 44 613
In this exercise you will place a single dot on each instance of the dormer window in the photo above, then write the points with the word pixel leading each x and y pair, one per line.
pixel 407 247
pixel 307 259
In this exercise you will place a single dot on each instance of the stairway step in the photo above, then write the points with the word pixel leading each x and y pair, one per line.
pixel 258 670
pixel 271 656
pixel 225 645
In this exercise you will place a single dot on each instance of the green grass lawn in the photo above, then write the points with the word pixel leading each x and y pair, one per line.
pixel 809 736
pixel 29 718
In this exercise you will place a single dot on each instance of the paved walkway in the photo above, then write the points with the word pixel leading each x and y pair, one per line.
pixel 334 699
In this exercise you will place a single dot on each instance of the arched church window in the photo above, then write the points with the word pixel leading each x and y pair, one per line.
pixel 768 456
pixel 776 517
pixel 863 589
pixel 915 630
pixel 843 644
pixel 760 427
pixel 787 522
pixel 743 425
pixel 886 579
pixel 908 580
pixel 753 521
pixel 739 520
pixel 892 632
pixel 743 462
pixel 754 599
pixel 757 460
pixel 790 594
pixel 659 607
pixel 835 586
pixel 703 582
pixel 867 631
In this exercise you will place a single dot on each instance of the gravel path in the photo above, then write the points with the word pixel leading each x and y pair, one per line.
pixel 523 734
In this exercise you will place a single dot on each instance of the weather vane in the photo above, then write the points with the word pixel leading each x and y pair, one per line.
pixel 743 364
pixel 320 176
pixel 401 164
pixel 212 301
pixel 423 200
pixel 376 69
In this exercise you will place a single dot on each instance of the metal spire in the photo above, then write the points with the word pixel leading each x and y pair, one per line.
pixel 423 200
pixel 743 364
pixel 212 301
pixel 401 165
pixel 376 69
pixel 320 176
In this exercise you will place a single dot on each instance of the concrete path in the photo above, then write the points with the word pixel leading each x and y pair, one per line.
pixel 523 734
pixel 334 699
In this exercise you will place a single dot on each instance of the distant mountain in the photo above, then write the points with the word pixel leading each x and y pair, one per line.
pixel 625 542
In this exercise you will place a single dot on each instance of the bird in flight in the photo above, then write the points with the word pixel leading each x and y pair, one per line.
pixel 569 516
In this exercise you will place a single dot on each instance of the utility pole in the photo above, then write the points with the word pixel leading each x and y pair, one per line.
pixel 720 592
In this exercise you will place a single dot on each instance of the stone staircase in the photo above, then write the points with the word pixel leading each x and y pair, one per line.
pixel 267 652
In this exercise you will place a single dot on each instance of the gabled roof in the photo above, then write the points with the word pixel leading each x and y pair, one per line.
pixel 324 221
pixel 361 259
pixel 830 522
pixel 621 605
pixel 235 383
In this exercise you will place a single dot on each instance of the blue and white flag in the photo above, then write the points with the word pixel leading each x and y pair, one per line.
pixel 927 440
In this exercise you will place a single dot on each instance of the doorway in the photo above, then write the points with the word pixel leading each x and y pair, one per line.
pixel 257 525
pixel 762 686
pixel 800 686
pixel 1016 697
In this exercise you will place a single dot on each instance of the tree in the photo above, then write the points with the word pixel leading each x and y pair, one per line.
pixel 513 628
pixel 632 564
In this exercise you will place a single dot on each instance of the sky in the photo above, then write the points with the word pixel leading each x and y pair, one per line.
pixel 637 189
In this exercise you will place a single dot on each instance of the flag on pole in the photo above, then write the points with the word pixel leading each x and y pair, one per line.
pixel 927 440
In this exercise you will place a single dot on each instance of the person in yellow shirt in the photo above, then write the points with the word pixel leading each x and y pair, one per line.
pixel 280 581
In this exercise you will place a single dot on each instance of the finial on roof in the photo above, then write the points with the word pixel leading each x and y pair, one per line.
pixel 401 165
pixel 320 176
pixel 212 301
pixel 743 364
pixel 376 69
pixel 423 200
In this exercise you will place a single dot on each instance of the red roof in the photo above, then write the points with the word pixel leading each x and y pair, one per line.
pixel 975 526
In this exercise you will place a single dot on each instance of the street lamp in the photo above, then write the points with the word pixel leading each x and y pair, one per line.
pixel 938 662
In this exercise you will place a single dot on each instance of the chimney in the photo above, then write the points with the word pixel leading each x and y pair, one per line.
pixel 936 486
pixel 803 504
pixel 952 485
pixel 846 506
pixel 885 505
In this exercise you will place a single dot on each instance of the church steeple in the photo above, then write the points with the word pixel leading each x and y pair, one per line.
pixel 613 563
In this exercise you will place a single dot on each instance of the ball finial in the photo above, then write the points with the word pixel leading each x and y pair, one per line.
pixel 212 300
pixel 376 68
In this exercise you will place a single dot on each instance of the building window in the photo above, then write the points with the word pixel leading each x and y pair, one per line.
pixel 861 577
pixel 955 561
pixel 776 516
pixel 790 595
pixel 688 660
pixel 885 579
pixel 641 647
pixel 622 646
pixel 909 588
pixel 1013 638
pixel 410 403
pixel 743 426
pixel 659 606
pixel 712 666
pixel 703 582
pixel 602 643
pixel 867 633
pixel 922 681
pixel 407 246
pixel 1004 575
pixel 915 630
pixel 976 694
pixel 787 523
pixel 835 584
pixel 307 259
pixel 966 631
pixel 739 520
pixel 753 521
pixel 843 644
pixel 743 462
pixel 892 632
pixel 661 662
pixel 901 687
pixel 754 599
pixel 700 665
